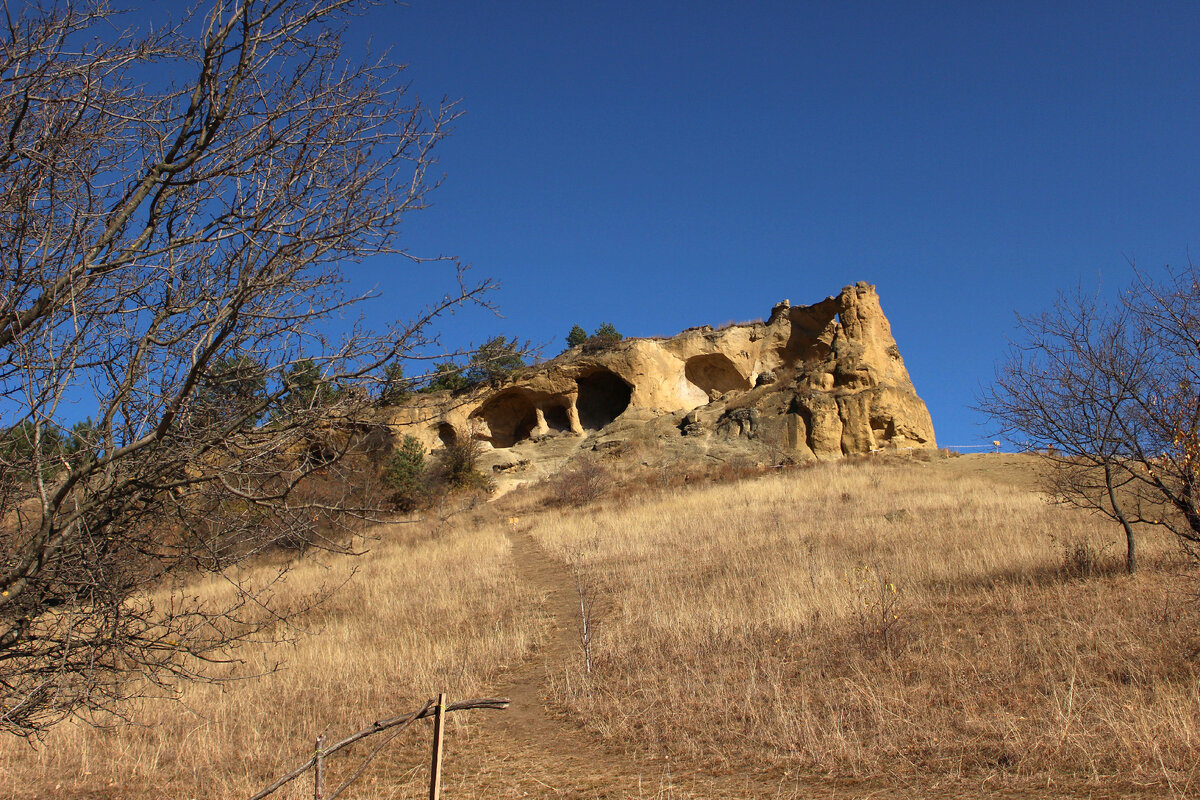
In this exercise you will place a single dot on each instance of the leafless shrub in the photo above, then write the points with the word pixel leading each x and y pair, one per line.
pixel 877 611
pixel 457 468
pixel 581 484
pixel 1081 558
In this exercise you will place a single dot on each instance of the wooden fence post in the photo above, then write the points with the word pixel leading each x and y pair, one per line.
pixel 435 771
pixel 319 770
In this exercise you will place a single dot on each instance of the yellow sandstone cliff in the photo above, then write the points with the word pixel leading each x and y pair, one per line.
pixel 822 381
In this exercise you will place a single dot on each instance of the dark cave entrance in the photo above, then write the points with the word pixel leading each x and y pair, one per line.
pixel 447 434
pixel 557 419
pixel 603 396
pixel 510 416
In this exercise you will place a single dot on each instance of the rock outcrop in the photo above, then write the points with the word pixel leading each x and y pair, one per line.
pixel 821 381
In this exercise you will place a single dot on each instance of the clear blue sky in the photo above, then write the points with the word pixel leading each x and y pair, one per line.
pixel 662 165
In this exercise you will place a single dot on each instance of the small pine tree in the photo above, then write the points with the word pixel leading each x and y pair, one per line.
pixel 495 360
pixel 232 389
pixel 608 331
pixel 17 446
pixel 82 441
pixel 395 389
pixel 447 377
pixel 576 337
pixel 604 336
pixel 304 385
pixel 404 474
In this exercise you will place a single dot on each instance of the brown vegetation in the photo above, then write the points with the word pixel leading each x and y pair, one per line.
pixel 874 619
pixel 894 622
pixel 419 612
pixel 1107 393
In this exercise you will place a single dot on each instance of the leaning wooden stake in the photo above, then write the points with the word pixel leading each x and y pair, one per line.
pixel 435 770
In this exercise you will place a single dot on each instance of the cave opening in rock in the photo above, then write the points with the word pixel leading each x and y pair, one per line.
pixel 510 416
pixel 809 327
pixel 884 427
pixel 447 434
pixel 715 371
pixel 557 419
pixel 603 397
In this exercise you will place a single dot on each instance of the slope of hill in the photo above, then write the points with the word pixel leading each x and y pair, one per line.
pixel 910 626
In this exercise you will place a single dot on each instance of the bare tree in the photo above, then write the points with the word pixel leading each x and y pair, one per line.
pixel 174 209
pixel 1110 395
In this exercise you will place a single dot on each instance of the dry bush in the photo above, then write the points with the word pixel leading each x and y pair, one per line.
pixel 449 480
pixel 636 468
pixel 1083 557
pixel 456 468
pixel 585 482
pixel 414 617
pixel 748 613
pixel 879 615
pixel 739 323
pixel 652 478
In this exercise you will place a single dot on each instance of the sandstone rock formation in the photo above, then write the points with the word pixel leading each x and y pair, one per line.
pixel 822 381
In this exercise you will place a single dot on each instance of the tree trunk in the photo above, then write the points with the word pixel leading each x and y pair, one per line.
pixel 1130 550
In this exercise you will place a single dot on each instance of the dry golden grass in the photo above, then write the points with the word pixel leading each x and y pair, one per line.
pixel 877 619
pixel 420 615
pixel 903 621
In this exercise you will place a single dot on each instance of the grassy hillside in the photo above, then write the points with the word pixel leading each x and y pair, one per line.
pixel 883 623
pixel 883 619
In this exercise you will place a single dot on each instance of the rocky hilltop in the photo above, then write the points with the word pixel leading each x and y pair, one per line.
pixel 819 382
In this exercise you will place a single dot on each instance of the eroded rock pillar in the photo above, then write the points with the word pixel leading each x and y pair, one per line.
pixel 573 415
pixel 540 428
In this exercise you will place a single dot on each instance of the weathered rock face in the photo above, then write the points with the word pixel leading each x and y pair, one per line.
pixel 823 381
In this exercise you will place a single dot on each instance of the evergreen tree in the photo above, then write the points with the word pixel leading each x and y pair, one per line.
pixel 395 388
pixel 404 473
pixel 604 336
pixel 494 361
pixel 232 389
pixel 576 337
pixel 447 377
pixel 82 440
pixel 305 387
pixel 608 332
pixel 17 446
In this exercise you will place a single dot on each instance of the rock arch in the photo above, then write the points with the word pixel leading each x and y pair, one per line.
pixel 715 371
pixel 603 396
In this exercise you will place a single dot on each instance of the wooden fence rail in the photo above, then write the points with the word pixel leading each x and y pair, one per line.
pixel 433 708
